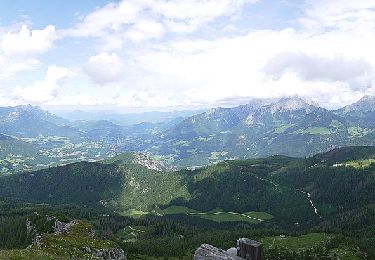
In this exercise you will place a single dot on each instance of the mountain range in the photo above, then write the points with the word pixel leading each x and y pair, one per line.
pixel 288 126
pixel 320 207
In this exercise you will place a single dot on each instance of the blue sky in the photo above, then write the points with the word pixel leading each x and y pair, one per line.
pixel 157 54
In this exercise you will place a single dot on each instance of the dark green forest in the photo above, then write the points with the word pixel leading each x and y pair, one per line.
pixel 323 205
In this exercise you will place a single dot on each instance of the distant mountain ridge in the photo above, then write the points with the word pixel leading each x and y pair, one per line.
pixel 361 112
pixel 289 126
pixel 125 119
pixel 29 121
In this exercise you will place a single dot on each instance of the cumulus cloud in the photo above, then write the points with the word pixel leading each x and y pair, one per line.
pixel 41 91
pixel 264 64
pixel 326 54
pixel 105 67
pixel 19 50
pixel 28 42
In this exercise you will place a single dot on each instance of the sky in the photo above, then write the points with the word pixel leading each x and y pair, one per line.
pixel 184 54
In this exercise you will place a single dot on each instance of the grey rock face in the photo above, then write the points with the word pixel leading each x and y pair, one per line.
pixel 249 249
pixel 29 227
pixel 62 227
pixel 208 252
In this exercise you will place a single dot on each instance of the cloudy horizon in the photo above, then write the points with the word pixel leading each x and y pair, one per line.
pixel 167 55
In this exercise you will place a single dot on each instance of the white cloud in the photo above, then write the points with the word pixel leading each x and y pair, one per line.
pixel 139 20
pixel 326 54
pixel 339 15
pixel 311 65
pixel 312 68
pixel 18 50
pixel 28 42
pixel 145 29
pixel 41 91
pixel 105 67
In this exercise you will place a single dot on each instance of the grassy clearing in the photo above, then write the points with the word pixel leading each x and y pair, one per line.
pixel 281 129
pixel 259 215
pixel 308 242
pixel 303 242
pixel 315 131
pixel 175 210
pixel 217 215
pixel 227 217
pixel 134 213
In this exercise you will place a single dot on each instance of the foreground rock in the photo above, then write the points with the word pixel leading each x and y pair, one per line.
pixel 208 252
pixel 246 249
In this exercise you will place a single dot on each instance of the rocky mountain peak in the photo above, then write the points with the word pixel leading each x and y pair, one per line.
pixel 366 103
pixel 366 100
pixel 290 104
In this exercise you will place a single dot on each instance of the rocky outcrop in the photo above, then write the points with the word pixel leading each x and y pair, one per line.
pixel 30 228
pixel 208 252
pixel 150 163
pixel 33 232
pixel 65 238
pixel 246 249
pixel 249 249
pixel 63 228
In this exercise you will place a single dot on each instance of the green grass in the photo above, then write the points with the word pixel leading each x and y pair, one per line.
pixel 70 244
pixel 297 243
pixel 175 210
pixel 134 213
pixel 25 254
pixel 281 129
pixel 216 215
pixel 64 246
pixel 260 215
pixel 315 131
pixel 343 254
pixel 308 242
pixel 121 159
pixel 227 217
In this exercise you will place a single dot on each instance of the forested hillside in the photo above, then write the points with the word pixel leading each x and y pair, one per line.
pixel 331 194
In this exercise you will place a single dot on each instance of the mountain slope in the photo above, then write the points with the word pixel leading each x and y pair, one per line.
pixel 291 189
pixel 361 112
pixel 121 187
pixel 31 121
pixel 288 126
